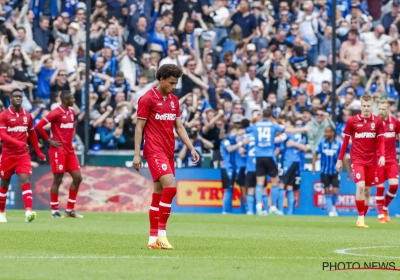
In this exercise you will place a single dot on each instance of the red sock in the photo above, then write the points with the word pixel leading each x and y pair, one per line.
pixel 366 206
pixel 3 199
pixel 360 207
pixel 390 194
pixel 165 209
pixel 379 198
pixel 54 201
pixel 27 196
pixel 153 214
pixel 71 200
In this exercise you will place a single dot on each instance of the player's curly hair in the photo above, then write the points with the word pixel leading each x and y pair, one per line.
pixel 169 70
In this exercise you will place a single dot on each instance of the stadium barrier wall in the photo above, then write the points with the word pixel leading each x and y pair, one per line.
pixel 121 189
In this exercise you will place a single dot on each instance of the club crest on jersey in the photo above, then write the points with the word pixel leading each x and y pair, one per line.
pixel 391 126
pixel 72 117
pixel 372 126
pixel 25 120
pixel 172 105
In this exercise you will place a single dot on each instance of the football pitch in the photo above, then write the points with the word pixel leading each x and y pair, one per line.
pixel 113 246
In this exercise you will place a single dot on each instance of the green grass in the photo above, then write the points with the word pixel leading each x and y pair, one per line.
pixel 113 246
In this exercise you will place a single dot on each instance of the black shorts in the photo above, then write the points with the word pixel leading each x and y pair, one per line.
pixel 266 166
pixel 241 176
pixel 330 180
pixel 227 178
pixel 289 178
pixel 251 181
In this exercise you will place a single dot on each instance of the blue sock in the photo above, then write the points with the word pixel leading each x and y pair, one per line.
pixel 290 198
pixel 328 203
pixel 250 203
pixel 334 200
pixel 243 205
pixel 259 193
pixel 281 198
pixel 274 195
pixel 227 201
pixel 265 201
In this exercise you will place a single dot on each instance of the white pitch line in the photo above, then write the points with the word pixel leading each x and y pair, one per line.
pixel 345 251
pixel 166 257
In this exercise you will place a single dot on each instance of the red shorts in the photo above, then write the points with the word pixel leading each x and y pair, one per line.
pixel 20 164
pixel 160 165
pixel 389 171
pixel 364 173
pixel 61 162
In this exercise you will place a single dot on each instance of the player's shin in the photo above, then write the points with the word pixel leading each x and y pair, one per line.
pixel 328 203
pixel 290 201
pixel 258 194
pixel 281 199
pixel 250 203
pixel 274 195
pixel 73 190
pixel 227 200
pixel 390 194
pixel 379 199
pixel 154 217
pixel 165 209
pixel 367 195
pixel 27 196
pixel 265 202
pixel 360 200
pixel 3 199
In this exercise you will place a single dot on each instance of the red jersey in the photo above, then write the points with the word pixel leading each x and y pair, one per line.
pixel 62 127
pixel 160 114
pixel 17 125
pixel 364 134
pixel 391 128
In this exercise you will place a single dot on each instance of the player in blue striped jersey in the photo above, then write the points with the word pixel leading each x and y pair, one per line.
pixel 228 169
pixel 329 149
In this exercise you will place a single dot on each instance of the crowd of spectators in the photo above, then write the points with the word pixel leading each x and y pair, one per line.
pixel 238 58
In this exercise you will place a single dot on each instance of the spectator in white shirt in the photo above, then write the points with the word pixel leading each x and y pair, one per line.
pixel 320 74
pixel 219 14
pixel 174 58
pixel 248 81
pixel 308 27
pixel 374 44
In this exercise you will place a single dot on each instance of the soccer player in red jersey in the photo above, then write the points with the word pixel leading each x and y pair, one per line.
pixel 391 127
pixel 157 115
pixel 15 125
pixel 61 152
pixel 366 132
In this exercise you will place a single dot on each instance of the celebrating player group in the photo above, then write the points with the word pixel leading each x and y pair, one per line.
pixel 15 125
pixel 373 157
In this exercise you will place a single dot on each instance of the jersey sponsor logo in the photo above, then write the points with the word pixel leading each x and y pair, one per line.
pixel 359 125
pixel 67 125
pixel 365 135
pixel 165 117
pixel 390 134
pixel 13 120
pixel 159 104
pixel 329 152
pixel 17 129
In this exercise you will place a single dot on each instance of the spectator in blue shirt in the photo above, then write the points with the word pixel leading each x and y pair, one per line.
pixel 120 84
pixel 355 84
pixel 387 85
pixel 45 72
pixel 110 135
pixel 245 20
